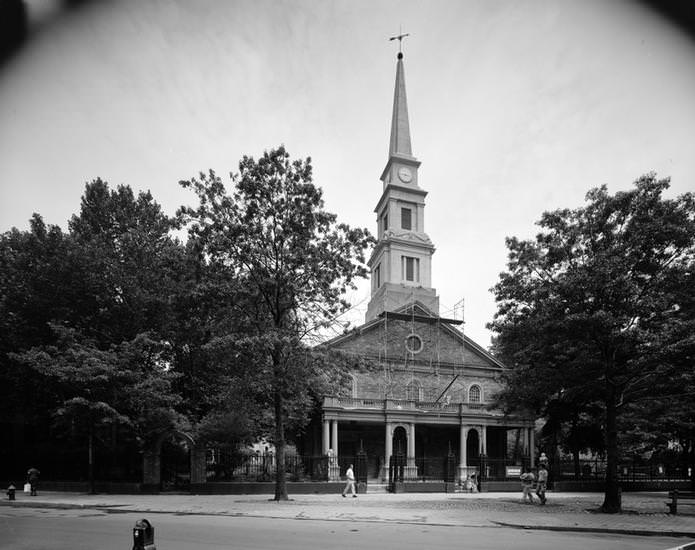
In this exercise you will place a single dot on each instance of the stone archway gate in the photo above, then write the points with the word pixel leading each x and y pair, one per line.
pixel 152 462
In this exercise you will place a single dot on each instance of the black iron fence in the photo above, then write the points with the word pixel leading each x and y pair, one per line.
pixel 443 468
pixel 595 470
pixel 499 469
pixel 651 472
pixel 234 466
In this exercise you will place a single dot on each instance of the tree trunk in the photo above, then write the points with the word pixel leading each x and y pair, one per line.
pixel 612 498
pixel 573 440
pixel 575 461
pixel 554 459
pixel 280 480
pixel 90 448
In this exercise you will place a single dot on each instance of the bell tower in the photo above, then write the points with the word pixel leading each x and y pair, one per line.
pixel 401 262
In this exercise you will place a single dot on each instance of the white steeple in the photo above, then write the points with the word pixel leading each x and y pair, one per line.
pixel 401 263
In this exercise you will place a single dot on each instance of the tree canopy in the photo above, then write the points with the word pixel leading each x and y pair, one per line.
pixel 597 311
pixel 83 315
pixel 291 263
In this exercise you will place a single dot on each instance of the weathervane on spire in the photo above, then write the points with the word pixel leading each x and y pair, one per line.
pixel 400 38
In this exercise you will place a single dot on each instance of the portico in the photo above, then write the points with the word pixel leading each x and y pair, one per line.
pixel 406 425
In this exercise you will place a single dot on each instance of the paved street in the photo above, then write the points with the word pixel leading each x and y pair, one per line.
pixel 488 519
pixel 74 529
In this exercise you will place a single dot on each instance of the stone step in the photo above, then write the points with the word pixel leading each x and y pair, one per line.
pixel 377 487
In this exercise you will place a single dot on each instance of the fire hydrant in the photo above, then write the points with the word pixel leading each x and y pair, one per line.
pixel 143 535
pixel 11 491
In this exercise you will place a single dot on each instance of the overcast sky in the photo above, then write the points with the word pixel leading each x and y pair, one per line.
pixel 515 108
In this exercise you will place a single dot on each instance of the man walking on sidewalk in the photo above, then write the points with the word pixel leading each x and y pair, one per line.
pixel 350 475
pixel 527 479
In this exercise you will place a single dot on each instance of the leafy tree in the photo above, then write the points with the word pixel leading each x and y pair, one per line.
pixel 206 305
pixel 36 270
pixel 291 264
pixel 128 384
pixel 112 284
pixel 600 305
pixel 130 267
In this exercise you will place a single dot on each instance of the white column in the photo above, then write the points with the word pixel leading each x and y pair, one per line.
pixel 388 446
pixel 334 437
pixel 411 468
pixel 463 459
pixel 532 446
pixel 325 437
pixel 483 440
pixel 411 441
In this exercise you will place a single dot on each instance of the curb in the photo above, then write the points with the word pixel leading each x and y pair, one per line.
pixel 606 530
pixel 56 505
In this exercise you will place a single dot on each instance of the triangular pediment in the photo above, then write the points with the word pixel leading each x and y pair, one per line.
pixel 394 338
pixel 408 236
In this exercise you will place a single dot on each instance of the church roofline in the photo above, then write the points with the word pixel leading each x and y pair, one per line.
pixel 400 312
pixel 419 318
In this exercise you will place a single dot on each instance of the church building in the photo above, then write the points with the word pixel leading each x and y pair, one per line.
pixel 427 395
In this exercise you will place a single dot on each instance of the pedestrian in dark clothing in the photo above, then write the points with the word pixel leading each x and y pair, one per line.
pixel 33 478
pixel 11 491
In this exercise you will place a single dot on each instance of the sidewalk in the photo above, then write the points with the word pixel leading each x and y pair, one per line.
pixel 644 513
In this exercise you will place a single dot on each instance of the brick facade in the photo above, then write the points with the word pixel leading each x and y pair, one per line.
pixel 443 356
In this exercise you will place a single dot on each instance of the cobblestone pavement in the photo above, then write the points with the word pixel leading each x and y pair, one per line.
pixel 643 513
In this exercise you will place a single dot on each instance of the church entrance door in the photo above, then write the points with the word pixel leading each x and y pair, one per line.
pixel 473 449
pixel 400 441
pixel 398 458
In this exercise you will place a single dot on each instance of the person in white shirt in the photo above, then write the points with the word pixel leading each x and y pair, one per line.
pixel 527 480
pixel 350 475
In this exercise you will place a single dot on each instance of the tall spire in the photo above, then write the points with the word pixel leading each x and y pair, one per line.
pixel 400 127
pixel 401 262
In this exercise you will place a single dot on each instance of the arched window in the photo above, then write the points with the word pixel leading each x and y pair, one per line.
pixel 474 394
pixel 413 391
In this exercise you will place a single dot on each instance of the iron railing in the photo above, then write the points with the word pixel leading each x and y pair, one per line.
pixel 500 469
pixel 234 466
pixel 595 470
pixel 443 468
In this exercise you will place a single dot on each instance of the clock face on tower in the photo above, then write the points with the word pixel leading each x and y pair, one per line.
pixel 404 174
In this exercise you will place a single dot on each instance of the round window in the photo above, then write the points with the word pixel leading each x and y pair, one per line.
pixel 413 343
